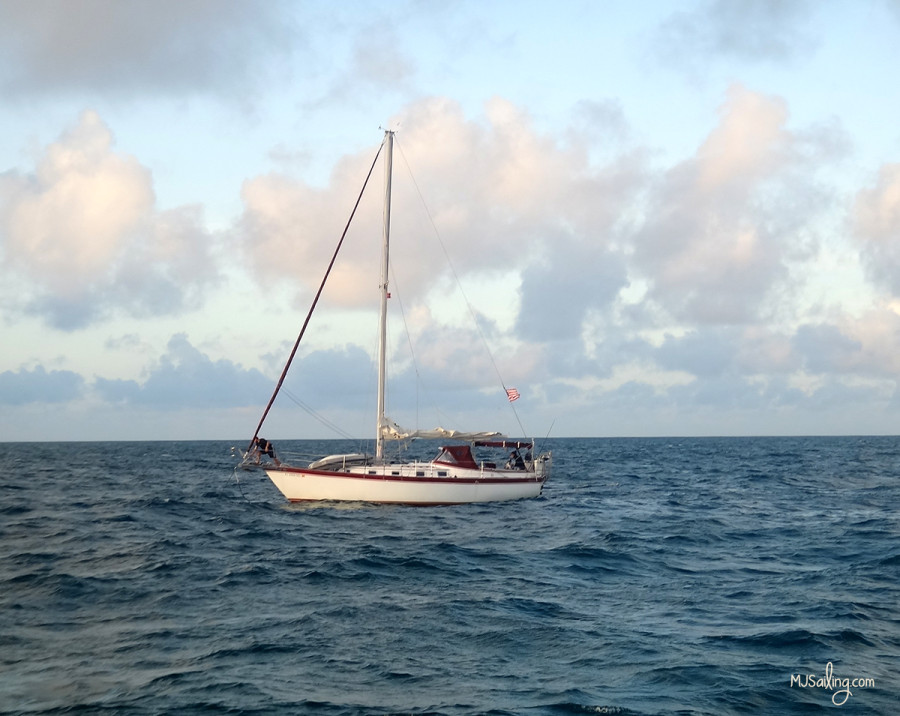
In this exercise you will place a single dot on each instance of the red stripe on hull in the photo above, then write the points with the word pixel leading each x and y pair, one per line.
pixel 411 478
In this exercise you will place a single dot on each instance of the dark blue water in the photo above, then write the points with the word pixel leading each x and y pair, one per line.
pixel 657 576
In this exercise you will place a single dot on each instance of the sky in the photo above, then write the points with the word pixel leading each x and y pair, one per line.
pixel 651 218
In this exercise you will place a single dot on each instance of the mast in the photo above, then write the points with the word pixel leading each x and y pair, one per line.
pixel 382 323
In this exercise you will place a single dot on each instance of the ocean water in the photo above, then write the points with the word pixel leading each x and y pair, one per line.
pixel 653 576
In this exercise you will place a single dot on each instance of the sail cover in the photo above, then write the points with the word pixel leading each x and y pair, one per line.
pixel 391 431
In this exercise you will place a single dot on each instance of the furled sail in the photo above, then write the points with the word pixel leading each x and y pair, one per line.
pixel 391 431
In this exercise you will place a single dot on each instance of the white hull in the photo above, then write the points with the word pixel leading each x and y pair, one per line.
pixel 357 485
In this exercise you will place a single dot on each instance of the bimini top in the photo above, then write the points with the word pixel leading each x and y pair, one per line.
pixel 461 455
pixel 457 455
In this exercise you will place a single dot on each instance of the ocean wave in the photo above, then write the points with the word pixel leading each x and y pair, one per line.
pixel 653 577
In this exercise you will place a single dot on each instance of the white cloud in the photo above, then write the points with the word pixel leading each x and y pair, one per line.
pixel 876 222
pixel 84 231
pixel 504 198
pixel 67 220
pixel 721 226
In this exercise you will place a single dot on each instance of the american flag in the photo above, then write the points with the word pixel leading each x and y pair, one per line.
pixel 512 394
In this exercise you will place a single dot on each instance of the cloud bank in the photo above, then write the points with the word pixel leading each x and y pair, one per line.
pixel 617 288
pixel 675 287
pixel 140 46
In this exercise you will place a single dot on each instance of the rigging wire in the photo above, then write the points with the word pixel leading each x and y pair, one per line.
pixel 459 286
pixel 421 386
pixel 315 414
pixel 240 486
pixel 315 300
pixel 412 351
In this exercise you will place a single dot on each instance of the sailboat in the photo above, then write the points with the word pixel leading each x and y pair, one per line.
pixel 454 476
